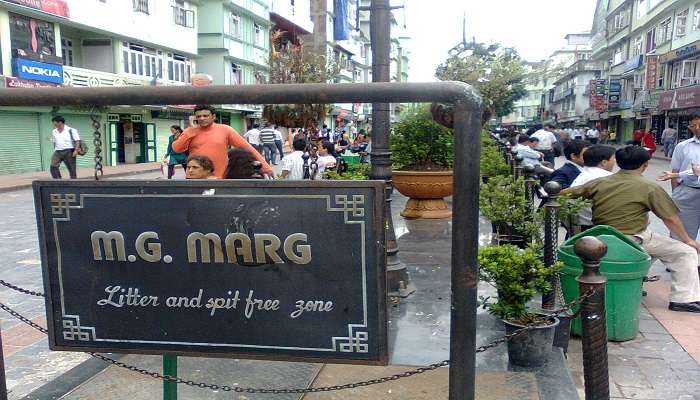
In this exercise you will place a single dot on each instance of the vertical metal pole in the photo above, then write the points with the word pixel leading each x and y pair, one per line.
pixel 594 339
pixel 518 166
pixel 511 160
pixel 530 182
pixel 3 384
pixel 551 241
pixel 398 282
pixel 465 244
pixel 169 368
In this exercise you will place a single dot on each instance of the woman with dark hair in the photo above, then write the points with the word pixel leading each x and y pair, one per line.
pixel 200 167
pixel 327 158
pixel 174 158
pixel 241 165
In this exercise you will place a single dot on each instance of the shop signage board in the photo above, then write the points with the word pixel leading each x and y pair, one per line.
pixel 12 82
pixel 680 98
pixel 38 71
pixel 683 52
pixel 55 7
pixel 634 62
pixel 614 91
pixel 259 269
pixel 652 67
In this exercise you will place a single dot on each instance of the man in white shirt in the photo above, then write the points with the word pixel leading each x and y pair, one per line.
pixel 293 164
pixel 253 137
pixel 65 141
pixel 546 142
pixel 592 135
pixel 525 150
pixel 598 162
pixel 279 143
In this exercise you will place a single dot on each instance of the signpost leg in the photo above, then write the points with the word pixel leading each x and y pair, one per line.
pixel 3 385
pixel 169 368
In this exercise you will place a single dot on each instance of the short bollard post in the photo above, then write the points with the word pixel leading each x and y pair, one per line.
pixel 511 160
pixel 170 369
pixel 518 166
pixel 530 183
pixel 594 338
pixel 551 241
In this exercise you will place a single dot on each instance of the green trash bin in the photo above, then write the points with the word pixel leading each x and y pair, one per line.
pixel 624 266
pixel 351 159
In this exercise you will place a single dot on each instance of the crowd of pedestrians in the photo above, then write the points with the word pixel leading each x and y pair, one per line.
pixel 624 199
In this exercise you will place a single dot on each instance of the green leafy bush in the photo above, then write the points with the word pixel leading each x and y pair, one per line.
pixel 355 172
pixel 419 143
pixel 518 275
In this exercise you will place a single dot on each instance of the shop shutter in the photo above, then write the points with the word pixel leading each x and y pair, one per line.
pixel 83 124
pixel 20 143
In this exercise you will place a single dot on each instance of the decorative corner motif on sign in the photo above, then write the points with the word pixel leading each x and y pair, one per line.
pixel 352 206
pixel 60 203
pixel 73 331
pixel 355 342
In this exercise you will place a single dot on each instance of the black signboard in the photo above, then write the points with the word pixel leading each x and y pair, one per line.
pixel 260 269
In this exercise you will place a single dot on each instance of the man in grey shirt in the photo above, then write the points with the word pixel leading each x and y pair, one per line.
pixel 668 139
pixel 686 191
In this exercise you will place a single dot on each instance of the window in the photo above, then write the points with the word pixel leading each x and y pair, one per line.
pixel 363 51
pixel 660 75
pixel 637 46
pixel 179 68
pixel 676 74
pixel 641 8
pixel 141 60
pixel 32 35
pixel 181 15
pixel 234 25
pixel 236 74
pixel 617 56
pixel 67 48
pixel 696 17
pixel 357 75
pixel 663 33
pixel 259 35
pixel 681 23
pixel 688 74
pixel 140 6
pixel 651 41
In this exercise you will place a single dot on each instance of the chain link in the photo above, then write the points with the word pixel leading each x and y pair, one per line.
pixel 238 389
pixel 97 142
pixel 21 290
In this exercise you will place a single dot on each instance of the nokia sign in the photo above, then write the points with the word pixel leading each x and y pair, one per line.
pixel 38 71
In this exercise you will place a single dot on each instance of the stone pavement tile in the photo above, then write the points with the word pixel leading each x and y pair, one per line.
pixel 662 337
pixel 651 326
pixel 429 386
pixel 23 335
pixel 629 374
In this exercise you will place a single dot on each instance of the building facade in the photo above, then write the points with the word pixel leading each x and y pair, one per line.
pixel 87 44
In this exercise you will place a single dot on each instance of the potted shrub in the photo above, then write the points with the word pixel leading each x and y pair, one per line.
pixel 422 155
pixel 502 201
pixel 518 275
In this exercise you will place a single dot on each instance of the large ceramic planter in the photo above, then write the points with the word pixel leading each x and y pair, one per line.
pixel 426 191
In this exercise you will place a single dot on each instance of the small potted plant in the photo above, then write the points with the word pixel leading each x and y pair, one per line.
pixel 518 275
pixel 422 155
pixel 502 201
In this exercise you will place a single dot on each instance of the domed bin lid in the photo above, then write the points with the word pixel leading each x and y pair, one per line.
pixel 625 258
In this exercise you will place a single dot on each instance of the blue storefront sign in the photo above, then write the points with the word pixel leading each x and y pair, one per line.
pixel 37 71
pixel 634 62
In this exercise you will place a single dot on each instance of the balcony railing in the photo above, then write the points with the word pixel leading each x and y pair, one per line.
pixel 80 77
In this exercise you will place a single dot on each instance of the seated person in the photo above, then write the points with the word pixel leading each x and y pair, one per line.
pixel 598 161
pixel 199 167
pixel 526 149
pixel 623 201
pixel 242 165
pixel 573 151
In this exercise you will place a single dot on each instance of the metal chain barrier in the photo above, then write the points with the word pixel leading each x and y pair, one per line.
pixel 21 290
pixel 97 141
pixel 238 389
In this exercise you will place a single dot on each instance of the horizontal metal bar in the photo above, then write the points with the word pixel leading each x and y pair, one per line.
pixel 448 92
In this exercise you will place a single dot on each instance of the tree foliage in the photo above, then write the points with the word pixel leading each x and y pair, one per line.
pixel 496 72
pixel 297 64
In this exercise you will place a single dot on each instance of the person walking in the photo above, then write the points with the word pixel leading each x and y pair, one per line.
pixel 279 143
pixel 592 135
pixel 686 191
pixel 174 158
pixel 253 137
pixel 668 139
pixel 213 140
pixel 65 144
pixel 624 200
pixel 546 142
pixel 267 138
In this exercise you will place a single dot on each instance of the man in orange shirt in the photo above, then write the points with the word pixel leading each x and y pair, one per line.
pixel 213 140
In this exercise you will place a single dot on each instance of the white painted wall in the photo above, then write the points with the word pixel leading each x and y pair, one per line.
pixel 156 28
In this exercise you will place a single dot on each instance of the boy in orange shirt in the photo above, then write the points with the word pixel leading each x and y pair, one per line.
pixel 213 140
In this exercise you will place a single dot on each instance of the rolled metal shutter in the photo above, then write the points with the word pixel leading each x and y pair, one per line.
pixel 20 142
